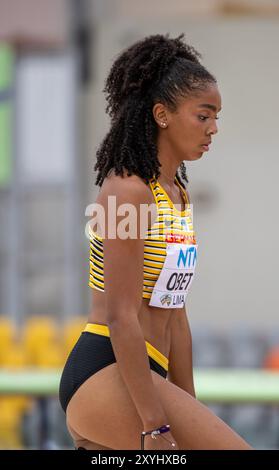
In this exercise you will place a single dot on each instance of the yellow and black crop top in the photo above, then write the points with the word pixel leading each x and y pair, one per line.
pixel 169 222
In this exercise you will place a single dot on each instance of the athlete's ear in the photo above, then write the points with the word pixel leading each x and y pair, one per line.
pixel 160 114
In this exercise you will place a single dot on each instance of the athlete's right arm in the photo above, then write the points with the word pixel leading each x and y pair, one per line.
pixel 123 275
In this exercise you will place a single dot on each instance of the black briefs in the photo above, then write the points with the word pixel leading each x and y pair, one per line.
pixel 93 351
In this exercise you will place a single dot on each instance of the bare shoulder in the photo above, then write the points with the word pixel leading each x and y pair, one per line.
pixel 126 189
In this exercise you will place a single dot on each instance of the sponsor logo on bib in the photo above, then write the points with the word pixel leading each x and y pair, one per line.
pixel 187 257
pixel 165 299
pixel 187 238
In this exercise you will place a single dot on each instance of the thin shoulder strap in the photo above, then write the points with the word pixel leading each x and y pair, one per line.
pixel 152 184
pixel 183 190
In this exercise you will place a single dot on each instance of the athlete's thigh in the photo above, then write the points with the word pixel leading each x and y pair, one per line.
pixel 102 411
pixel 195 426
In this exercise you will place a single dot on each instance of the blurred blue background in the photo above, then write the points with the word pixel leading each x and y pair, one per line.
pixel 54 58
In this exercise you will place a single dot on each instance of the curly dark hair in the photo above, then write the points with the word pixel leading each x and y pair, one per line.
pixel 155 69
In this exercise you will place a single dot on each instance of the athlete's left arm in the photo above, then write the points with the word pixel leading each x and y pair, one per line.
pixel 180 359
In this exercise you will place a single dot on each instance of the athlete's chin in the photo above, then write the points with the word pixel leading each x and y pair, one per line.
pixel 200 152
pixel 194 156
pixel 199 155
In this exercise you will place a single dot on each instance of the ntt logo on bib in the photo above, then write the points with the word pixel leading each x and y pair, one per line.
pixel 187 257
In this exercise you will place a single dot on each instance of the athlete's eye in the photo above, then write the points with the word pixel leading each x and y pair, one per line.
pixel 203 118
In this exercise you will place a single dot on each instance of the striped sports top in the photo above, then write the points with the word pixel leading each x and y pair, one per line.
pixel 169 225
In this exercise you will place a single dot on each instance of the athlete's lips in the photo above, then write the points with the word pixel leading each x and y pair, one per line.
pixel 206 145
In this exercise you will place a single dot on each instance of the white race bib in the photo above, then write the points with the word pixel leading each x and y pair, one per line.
pixel 173 283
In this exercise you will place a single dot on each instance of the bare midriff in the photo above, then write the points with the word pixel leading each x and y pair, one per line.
pixel 154 321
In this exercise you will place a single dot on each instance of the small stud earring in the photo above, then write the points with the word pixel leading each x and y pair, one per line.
pixel 163 124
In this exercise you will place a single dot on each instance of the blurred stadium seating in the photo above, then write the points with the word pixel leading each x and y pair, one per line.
pixel 41 343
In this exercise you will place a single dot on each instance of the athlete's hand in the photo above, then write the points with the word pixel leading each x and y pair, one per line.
pixel 162 442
